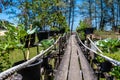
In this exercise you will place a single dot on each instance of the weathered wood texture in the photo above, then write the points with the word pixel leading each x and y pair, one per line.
pixel 74 70
pixel 88 73
pixel 62 72
pixel 74 65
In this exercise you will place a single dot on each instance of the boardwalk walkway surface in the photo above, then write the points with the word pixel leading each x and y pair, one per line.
pixel 74 65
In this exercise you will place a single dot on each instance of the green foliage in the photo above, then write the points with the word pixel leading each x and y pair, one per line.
pixel 82 26
pixel 41 13
pixel 12 37
pixel 100 59
pixel 115 56
pixel 4 61
pixel 118 27
pixel 81 29
pixel 116 72
pixel 47 42
pixel 82 35
pixel 10 42
pixel 17 54
pixel 54 28
pixel 108 45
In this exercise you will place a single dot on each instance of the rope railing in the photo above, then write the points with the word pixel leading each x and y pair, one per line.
pixel 115 62
pixel 16 68
pixel 94 45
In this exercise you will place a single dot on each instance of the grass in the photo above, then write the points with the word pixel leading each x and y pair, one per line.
pixel 106 34
pixel 17 54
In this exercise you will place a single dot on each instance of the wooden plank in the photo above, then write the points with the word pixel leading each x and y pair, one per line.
pixel 88 73
pixel 62 71
pixel 69 68
pixel 74 71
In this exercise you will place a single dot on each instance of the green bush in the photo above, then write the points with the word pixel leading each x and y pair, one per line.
pixel 47 42
pixel 100 59
pixel 82 26
pixel 115 55
pixel 108 45
pixel 116 72
pixel 82 35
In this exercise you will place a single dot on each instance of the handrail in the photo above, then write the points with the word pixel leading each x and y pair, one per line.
pixel 25 64
pixel 64 34
pixel 115 62
pixel 94 45
pixel 85 45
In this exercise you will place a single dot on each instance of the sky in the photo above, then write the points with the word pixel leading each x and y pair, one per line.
pixel 5 16
pixel 77 15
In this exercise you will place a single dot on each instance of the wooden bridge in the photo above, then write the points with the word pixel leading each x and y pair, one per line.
pixel 69 62
pixel 74 65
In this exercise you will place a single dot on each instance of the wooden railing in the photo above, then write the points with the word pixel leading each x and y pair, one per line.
pixel 74 65
pixel 115 62
pixel 101 68
pixel 9 72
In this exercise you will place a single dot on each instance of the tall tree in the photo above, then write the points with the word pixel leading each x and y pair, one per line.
pixel 101 17
pixel 73 13
pixel 90 13
pixel 95 12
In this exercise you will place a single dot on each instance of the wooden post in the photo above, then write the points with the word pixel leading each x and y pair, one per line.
pixel 55 40
pixel 45 65
pixel 60 45
pixel 37 49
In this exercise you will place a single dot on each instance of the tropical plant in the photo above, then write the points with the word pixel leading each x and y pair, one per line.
pixel 116 72
pixel 10 42
pixel 115 55
pixel 54 28
pixel 108 45
pixel 82 26
pixel 100 59
pixel 81 29
pixel 82 35
pixel 46 43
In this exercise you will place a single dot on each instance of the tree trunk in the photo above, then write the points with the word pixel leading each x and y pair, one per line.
pixel 69 14
pixel 90 13
pixel 72 15
pixel 101 20
pixel 113 17
pixel 95 16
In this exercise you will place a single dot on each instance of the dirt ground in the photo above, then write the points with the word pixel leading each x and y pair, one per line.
pixel 99 37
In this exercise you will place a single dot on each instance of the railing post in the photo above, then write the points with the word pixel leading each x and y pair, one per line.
pixel 38 49
pixel 45 65
pixel 55 40
pixel 60 45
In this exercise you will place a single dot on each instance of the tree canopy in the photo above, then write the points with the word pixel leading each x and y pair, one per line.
pixel 42 13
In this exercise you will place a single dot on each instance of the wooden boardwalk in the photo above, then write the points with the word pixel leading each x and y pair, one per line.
pixel 74 65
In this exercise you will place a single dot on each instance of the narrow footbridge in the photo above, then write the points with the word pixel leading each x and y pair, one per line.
pixel 74 65
pixel 67 59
